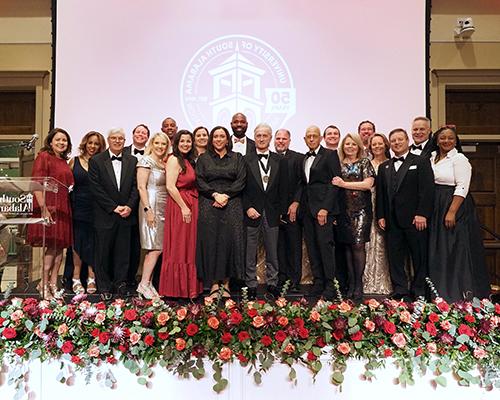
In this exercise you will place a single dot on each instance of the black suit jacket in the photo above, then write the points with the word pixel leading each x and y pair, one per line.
pixel 409 192
pixel 105 189
pixel 273 199
pixel 319 193
pixel 427 150
pixel 295 164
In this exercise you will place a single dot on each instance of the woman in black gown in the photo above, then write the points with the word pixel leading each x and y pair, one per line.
pixel 220 176
pixel 457 264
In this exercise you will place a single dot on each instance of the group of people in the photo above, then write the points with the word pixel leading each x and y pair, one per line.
pixel 197 203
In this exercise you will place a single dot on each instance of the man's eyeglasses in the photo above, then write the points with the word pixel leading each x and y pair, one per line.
pixel 116 139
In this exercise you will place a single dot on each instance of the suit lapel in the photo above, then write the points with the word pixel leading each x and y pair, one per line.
pixel 274 165
pixel 109 167
pixel 403 169
pixel 319 154
pixel 254 167
pixel 125 167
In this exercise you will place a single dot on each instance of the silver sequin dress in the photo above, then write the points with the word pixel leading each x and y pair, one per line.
pixel 152 238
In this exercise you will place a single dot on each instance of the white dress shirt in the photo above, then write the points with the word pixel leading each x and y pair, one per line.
pixel 309 163
pixel 117 167
pixel 240 147
pixel 453 170
pixel 138 155
pixel 265 162
pixel 418 151
pixel 398 164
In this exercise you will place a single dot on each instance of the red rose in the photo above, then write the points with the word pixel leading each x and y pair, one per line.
pixel 443 306
pixel 338 334
pixel 357 336
pixel 2 320
pixel 111 359
pixel 418 352
pixel 242 358
pixel 381 342
pixel 252 312
pixel 431 328
pixel 67 347
pixel 149 340
pixel 20 351
pixel 389 327
pixel 462 347
pixel 470 318
pixel 70 313
pixel 243 335
pixel 223 315
pixel 163 335
pixel 101 305
pixel 104 337
pixel 387 352
pixel 465 330
pixel 192 329
pixel 497 308
pixel 95 332
pixel 280 336
pixel 311 356
pixel 299 322
pixel 130 314
pixel 9 333
pixel 226 337
pixel 417 325
pixel 266 340
pixel 123 348
pixel 303 333
pixel 76 359
pixel 433 317
pixel 235 318
pixel 320 342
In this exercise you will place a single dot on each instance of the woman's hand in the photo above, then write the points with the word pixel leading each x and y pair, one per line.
pixel 221 200
pixel 186 215
pixel 150 218
pixel 338 181
pixel 450 219
pixel 47 216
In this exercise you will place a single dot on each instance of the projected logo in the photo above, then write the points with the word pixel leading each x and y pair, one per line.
pixel 237 73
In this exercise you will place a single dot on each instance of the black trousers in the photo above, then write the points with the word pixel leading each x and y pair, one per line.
pixel 321 248
pixel 112 257
pixel 135 255
pixel 402 242
pixel 290 252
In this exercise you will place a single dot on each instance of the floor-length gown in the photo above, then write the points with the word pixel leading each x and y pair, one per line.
pixel 376 278
pixel 178 276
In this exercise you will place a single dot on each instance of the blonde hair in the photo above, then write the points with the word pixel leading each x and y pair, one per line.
pixel 356 139
pixel 149 147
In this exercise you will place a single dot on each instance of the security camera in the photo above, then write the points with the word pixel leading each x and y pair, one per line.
pixel 465 27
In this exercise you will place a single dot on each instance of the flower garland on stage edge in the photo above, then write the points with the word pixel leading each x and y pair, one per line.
pixel 419 336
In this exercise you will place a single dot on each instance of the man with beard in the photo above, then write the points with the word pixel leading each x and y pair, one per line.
pixel 169 128
pixel 241 143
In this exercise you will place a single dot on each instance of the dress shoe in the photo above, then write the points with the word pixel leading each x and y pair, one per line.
pixel 252 293
pixel 106 296
pixel 274 290
pixel 295 288
pixel 316 289
pixel 123 291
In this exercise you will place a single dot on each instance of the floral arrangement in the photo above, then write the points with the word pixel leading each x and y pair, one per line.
pixel 418 336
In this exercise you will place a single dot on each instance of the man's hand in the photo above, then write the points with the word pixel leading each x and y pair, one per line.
pixel 322 216
pixel 253 213
pixel 125 212
pixel 381 223
pixel 292 211
pixel 420 222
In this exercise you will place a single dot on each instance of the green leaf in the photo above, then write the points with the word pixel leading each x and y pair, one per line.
pixel 352 321
pixel 292 375
pixel 463 338
pixel 142 381
pixel 28 324
pixel 441 380
pixel 444 368
pixel 426 335
pixel 257 377
pixel 316 351
pixel 326 325
pixel 337 378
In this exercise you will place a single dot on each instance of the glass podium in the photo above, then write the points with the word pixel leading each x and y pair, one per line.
pixel 23 232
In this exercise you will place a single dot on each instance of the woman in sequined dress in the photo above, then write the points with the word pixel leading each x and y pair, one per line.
pixel 356 216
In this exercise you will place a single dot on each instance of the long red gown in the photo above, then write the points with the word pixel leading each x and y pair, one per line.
pixel 178 270
pixel 60 234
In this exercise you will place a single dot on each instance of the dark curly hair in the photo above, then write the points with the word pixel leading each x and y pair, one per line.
pixel 181 158
pixel 48 140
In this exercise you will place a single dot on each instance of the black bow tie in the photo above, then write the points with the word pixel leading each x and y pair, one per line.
pixel 310 154
pixel 416 147
pixel 402 159
pixel 113 158
pixel 263 156
pixel 137 151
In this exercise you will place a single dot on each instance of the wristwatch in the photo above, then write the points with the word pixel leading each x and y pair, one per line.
pixel 146 209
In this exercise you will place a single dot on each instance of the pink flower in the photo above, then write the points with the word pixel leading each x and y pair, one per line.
pixel 93 351
pixel 283 321
pixel 181 313
pixel 315 316
pixel 399 340
pixel 431 347
pixel 16 315
pixel 213 322
pixel 135 337
pixel 100 317
pixel 445 325
pixel 345 307
pixel 162 318
pixel 405 316
pixel 369 325
pixel 229 304
pixel 258 321
pixel 479 353
pixel 373 304
pixel 344 348
pixel 180 344
pixel 281 302
pixel 62 329
pixel 225 353
pixel 289 348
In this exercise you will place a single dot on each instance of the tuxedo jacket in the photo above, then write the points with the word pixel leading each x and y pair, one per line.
pixel 105 189
pixel 427 150
pixel 319 193
pixel 273 199
pixel 295 163
pixel 403 194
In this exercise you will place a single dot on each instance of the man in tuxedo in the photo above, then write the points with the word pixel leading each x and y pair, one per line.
pixel 169 128
pixel 318 209
pixel 140 136
pixel 366 129
pixel 405 198
pixel 114 188
pixel 290 230
pixel 421 132
pixel 241 143
pixel 264 202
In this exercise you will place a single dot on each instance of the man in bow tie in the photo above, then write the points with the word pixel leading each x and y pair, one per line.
pixel 114 189
pixel 404 202
pixel 241 143
pixel 140 136
pixel 319 207
pixel 264 203
pixel 421 132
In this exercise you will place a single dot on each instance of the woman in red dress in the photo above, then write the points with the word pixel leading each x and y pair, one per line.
pixel 52 162
pixel 178 270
